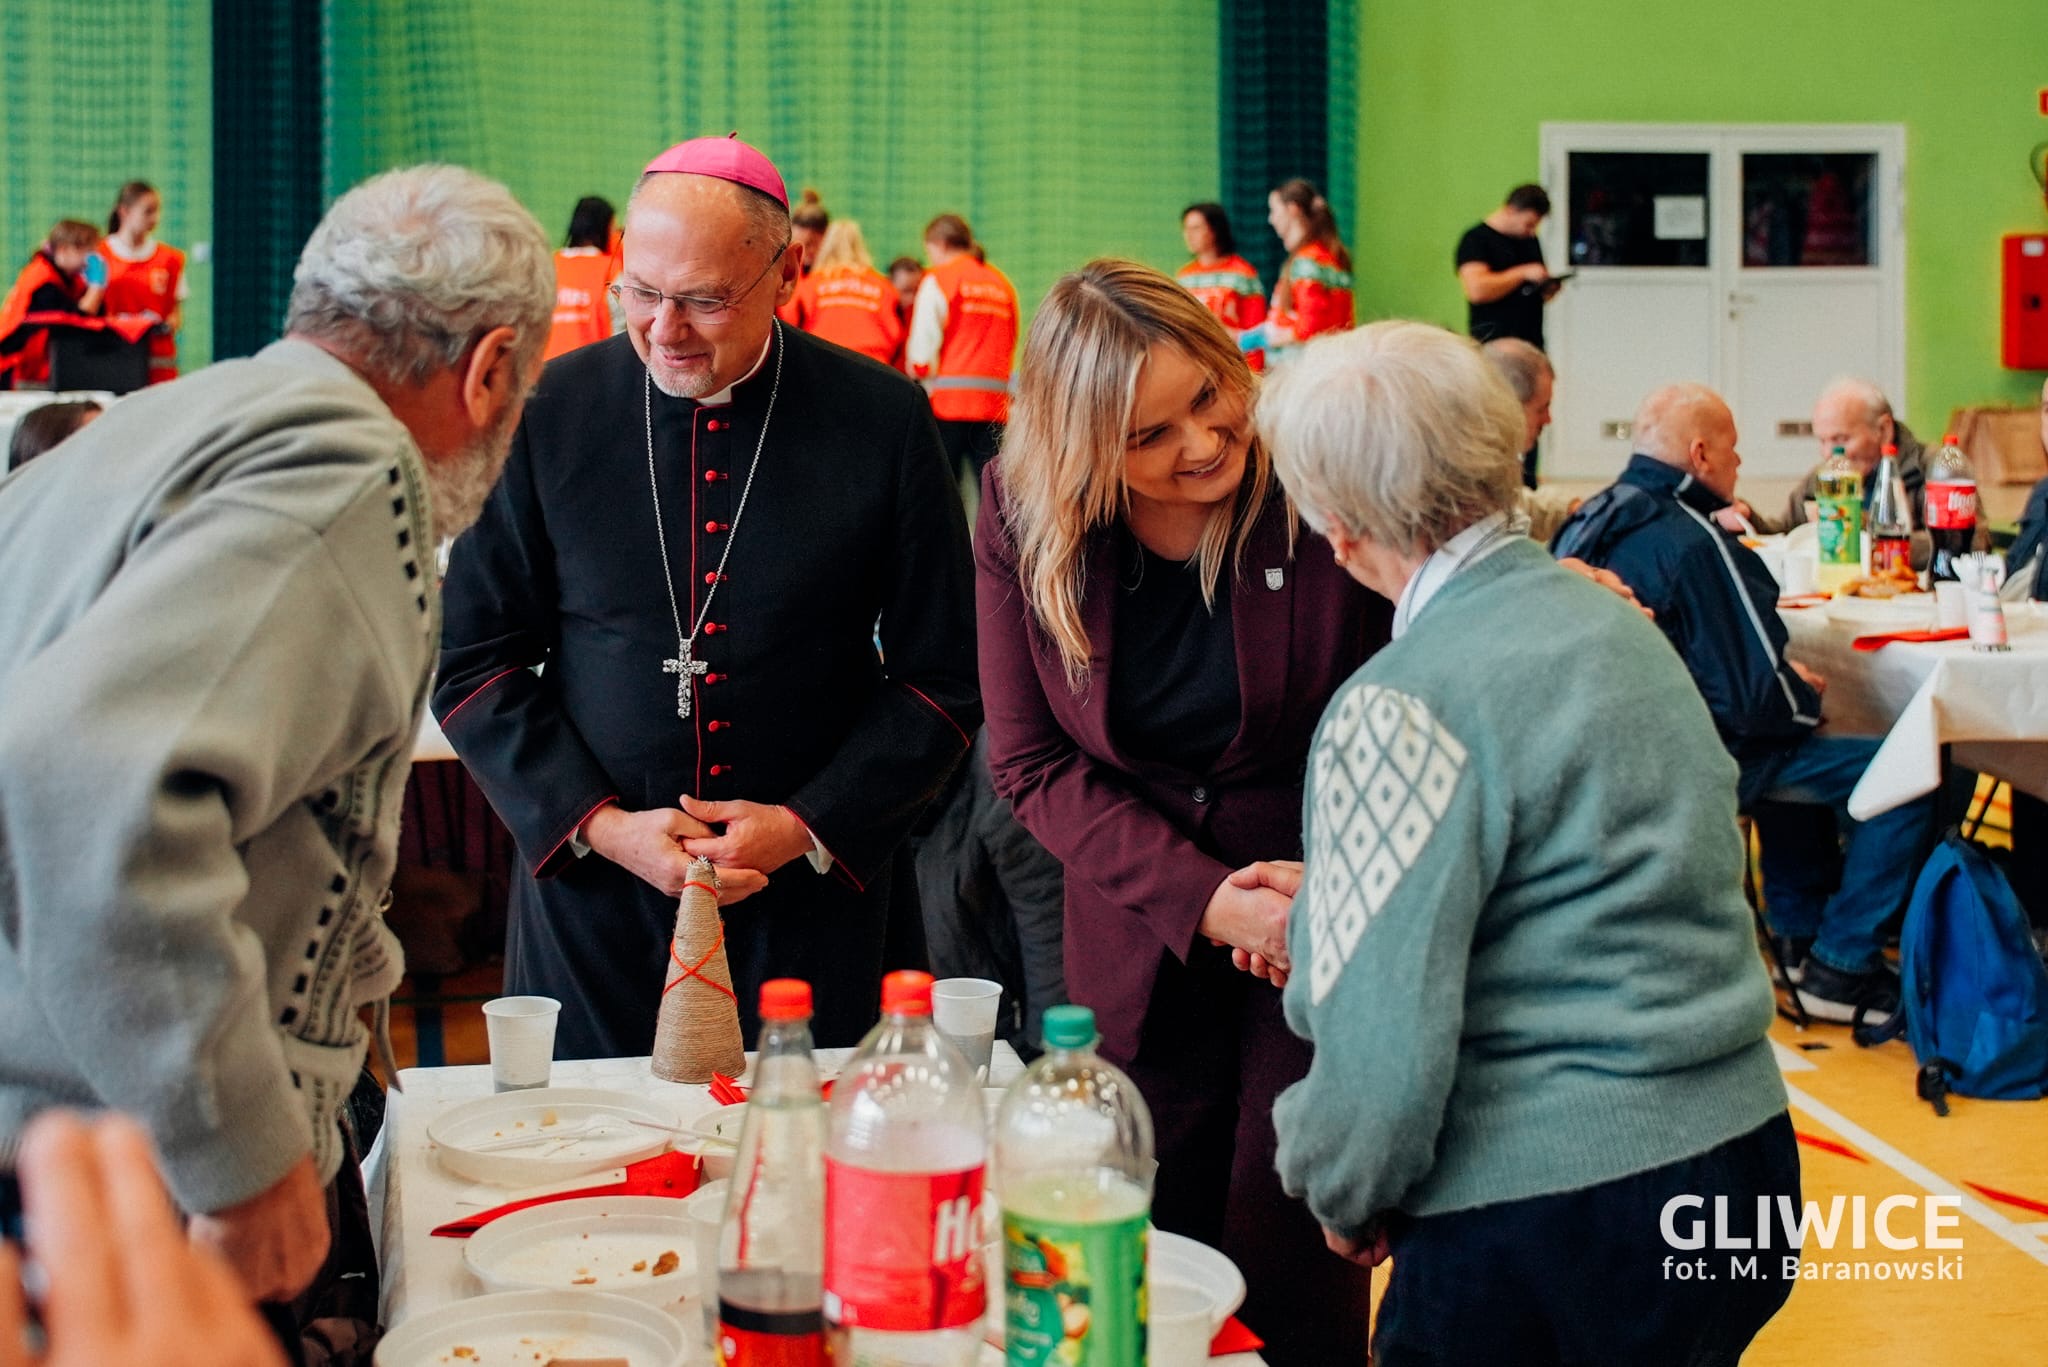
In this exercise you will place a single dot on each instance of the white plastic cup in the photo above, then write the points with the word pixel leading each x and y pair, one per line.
pixel 704 1208
pixel 1801 575
pixel 964 1010
pixel 522 1031
pixel 1178 1330
pixel 1951 604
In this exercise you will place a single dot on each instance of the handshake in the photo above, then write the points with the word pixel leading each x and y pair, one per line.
pixel 1248 912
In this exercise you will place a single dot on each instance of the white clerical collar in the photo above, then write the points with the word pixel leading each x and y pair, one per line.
pixel 724 396
pixel 1468 547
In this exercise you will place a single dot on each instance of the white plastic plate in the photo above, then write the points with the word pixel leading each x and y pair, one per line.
pixel 574 1131
pixel 595 1244
pixel 1907 612
pixel 520 1328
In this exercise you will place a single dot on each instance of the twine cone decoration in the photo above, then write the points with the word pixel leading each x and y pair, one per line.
pixel 699 1030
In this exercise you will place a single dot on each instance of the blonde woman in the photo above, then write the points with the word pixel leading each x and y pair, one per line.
pixel 846 300
pixel 1158 635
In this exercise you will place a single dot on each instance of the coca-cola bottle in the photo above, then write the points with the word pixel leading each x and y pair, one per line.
pixel 905 1164
pixel 1891 521
pixel 1951 509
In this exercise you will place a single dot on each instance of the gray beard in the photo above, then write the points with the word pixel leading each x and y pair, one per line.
pixel 677 388
pixel 458 485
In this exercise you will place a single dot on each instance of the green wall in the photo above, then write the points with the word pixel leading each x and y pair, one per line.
pixel 1062 129
pixel 95 93
pixel 1450 105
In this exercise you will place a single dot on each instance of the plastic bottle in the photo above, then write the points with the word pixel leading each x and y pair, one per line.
pixel 1951 509
pixel 771 1246
pixel 1074 1166
pixel 1838 549
pixel 905 1163
pixel 1891 522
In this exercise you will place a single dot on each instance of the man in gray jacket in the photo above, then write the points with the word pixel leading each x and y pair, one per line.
pixel 219 617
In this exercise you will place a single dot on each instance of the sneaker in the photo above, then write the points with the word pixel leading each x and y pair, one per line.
pixel 1791 951
pixel 1829 994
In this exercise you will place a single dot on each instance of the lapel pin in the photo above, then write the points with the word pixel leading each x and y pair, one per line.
pixel 1275 578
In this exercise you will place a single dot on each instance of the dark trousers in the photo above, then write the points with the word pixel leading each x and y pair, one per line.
pixel 1800 854
pixel 1214 1055
pixel 970 446
pixel 993 900
pixel 1585 1277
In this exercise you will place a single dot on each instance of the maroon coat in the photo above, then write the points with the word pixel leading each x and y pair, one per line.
pixel 1145 844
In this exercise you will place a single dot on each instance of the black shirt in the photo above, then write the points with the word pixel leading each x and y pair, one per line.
pixel 1519 313
pixel 1173 695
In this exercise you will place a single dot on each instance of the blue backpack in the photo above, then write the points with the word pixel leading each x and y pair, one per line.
pixel 1974 989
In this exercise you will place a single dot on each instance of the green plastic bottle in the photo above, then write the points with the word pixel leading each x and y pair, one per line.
pixel 1074 1168
pixel 1838 549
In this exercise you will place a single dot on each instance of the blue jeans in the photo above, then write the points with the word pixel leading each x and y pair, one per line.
pixel 1799 798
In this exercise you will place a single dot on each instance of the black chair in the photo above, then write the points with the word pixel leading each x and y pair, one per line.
pixel 1782 974
pixel 96 358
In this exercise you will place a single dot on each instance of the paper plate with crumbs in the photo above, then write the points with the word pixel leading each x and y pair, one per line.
pixel 637 1246
pixel 548 1134
pixel 537 1329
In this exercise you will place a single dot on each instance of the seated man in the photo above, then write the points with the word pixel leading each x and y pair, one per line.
pixel 1527 371
pixel 1854 415
pixel 1718 604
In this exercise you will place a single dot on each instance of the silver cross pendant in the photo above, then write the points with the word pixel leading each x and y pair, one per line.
pixel 684 668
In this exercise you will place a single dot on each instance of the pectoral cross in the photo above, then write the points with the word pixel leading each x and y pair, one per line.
pixel 684 668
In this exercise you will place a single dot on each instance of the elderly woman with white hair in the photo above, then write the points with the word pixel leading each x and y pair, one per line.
pixel 1521 953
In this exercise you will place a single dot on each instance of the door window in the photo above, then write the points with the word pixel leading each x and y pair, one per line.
pixel 1639 208
pixel 1808 209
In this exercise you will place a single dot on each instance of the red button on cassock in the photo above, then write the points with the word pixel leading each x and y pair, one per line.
pixel 711 476
pixel 714 578
pixel 714 678
pixel 714 527
pixel 713 628
pixel 715 425
pixel 718 769
pixel 717 725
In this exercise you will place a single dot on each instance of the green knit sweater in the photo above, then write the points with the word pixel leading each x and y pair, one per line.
pixel 1521 948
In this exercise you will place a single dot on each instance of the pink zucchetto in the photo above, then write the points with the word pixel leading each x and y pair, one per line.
pixel 725 158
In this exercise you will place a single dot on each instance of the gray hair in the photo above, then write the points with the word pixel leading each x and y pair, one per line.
pixel 411 267
pixel 1867 396
pixel 1520 363
pixel 1398 432
pixel 1670 418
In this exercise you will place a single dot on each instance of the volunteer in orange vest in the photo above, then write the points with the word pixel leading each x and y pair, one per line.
pixel 584 269
pixel 144 276
pixel 64 276
pixel 1313 294
pixel 846 300
pixel 1226 283
pixel 963 336
pixel 808 221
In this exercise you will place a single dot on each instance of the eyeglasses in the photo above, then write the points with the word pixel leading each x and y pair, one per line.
pixel 642 302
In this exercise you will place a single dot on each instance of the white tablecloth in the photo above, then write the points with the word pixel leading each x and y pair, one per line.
pixel 1992 709
pixel 410 1193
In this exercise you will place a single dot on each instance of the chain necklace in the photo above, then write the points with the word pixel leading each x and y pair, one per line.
pixel 684 666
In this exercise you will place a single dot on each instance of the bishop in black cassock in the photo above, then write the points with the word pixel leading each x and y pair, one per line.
pixel 558 690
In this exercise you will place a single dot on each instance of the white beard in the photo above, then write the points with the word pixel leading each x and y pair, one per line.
pixel 677 386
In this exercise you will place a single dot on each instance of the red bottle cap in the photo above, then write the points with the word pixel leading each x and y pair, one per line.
pixel 907 992
pixel 785 999
pixel 1891 448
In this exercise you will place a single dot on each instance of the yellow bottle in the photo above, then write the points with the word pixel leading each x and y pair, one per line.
pixel 1838 549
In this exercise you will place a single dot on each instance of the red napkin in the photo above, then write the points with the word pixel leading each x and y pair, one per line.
pixel 668 1174
pixel 1234 1337
pixel 728 1092
pixel 1879 639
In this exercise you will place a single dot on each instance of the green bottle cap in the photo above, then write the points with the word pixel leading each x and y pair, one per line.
pixel 1069 1027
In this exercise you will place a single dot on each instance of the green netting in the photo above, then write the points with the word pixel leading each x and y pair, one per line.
pixel 1062 130
pixel 96 94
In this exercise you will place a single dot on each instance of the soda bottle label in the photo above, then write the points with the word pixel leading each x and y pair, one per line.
pixel 757 1338
pixel 1891 557
pixel 1951 506
pixel 1840 532
pixel 1074 1294
pixel 903 1249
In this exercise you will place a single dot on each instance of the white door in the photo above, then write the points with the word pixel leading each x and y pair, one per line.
pixel 1761 261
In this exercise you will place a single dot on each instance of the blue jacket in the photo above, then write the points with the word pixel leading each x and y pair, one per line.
pixel 1713 597
pixel 2032 540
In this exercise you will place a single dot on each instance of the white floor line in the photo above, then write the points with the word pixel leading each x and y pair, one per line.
pixel 2038 1227
pixel 1792 1061
pixel 2022 1237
